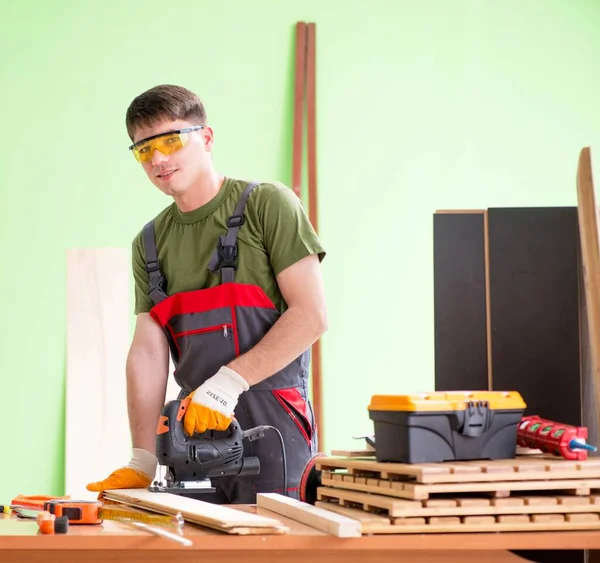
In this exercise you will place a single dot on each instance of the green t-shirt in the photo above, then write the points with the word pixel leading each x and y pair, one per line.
pixel 276 234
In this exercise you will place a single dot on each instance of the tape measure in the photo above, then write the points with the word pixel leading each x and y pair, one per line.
pixel 94 513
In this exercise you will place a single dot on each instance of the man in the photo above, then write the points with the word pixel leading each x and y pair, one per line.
pixel 227 280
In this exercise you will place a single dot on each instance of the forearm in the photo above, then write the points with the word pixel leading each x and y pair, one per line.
pixel 294 332
pixel 147 376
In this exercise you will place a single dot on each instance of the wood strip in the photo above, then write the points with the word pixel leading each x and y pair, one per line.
pixel 215 516
pixel 98 335
pixel 587 211
pixel 353 453
pixel 311 115
pixel 299 90
pixel 331 523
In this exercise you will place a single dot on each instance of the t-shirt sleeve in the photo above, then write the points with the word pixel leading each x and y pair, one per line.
pixel 288 234
pixel 143 303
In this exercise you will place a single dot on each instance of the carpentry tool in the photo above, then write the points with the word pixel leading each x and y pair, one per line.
pixel 192 462
pixel 94 512
pixel 556 438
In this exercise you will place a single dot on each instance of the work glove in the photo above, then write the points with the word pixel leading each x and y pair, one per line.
pixel 212 404
pixel 137 474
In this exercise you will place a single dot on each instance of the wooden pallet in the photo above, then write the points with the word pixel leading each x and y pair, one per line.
pixel 420 491
pixel 382 524
pixel 528 467
pixel 461 506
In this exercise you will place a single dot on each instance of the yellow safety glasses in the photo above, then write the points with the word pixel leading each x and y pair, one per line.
pixel 166 143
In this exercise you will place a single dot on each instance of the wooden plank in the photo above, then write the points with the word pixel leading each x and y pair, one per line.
pixel 353 453
pixel 587 210
pixel 299 89
pixel 311 148
pixel 98 336
pixel 214 516
pixel 333 524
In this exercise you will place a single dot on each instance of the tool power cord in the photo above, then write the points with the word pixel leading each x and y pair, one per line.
pixel 259 432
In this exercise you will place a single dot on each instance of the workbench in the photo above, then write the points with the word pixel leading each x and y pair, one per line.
pixel 115 542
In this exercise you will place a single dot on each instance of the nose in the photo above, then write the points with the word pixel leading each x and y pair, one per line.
pixel 158 157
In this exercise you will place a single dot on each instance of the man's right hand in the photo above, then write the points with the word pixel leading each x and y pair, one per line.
pixel 137 474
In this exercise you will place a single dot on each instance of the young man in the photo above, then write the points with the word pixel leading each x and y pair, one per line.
pixel 227 280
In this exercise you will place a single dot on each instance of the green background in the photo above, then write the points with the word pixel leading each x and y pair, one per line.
pixel 421 105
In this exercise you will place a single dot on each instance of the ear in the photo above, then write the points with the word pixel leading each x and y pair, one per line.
pixel 208 137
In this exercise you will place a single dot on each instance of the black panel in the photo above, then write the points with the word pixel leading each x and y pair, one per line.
pixel 459 302
pixel 534 308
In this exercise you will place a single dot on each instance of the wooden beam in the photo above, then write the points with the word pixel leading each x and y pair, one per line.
pixel 319 518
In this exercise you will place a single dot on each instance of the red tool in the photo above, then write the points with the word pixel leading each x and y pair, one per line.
pixel 555 438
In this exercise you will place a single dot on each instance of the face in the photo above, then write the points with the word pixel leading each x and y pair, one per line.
pixel 174 174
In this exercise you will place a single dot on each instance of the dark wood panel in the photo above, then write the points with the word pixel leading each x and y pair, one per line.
pixel 534 304
pixel 459 301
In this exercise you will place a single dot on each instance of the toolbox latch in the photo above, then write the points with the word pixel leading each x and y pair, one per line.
pixel 477 419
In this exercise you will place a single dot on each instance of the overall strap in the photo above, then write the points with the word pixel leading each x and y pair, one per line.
pixel 224 255
pixel 156 280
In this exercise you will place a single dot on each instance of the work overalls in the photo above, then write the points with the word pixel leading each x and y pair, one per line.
pixel 208 328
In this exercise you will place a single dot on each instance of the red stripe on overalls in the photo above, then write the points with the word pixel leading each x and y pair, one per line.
pixel 199 301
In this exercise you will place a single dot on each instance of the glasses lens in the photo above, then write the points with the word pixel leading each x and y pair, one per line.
pixel 166 144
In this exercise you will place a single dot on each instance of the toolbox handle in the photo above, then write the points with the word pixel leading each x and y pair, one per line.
pixel 477 419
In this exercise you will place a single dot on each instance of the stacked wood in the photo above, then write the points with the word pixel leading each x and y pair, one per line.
pixel 532 492
pixel 213 516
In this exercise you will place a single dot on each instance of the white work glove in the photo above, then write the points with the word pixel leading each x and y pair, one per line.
pixel 212 404
pixel 137 474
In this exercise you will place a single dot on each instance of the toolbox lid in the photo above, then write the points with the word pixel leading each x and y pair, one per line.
pixel 447 401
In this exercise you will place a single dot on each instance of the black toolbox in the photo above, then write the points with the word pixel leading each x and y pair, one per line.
pixel 446 426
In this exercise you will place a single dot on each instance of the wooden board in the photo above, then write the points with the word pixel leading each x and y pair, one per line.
pixel 331 523
pixel 98 336
pixel 214 516
pixel 529 467
pixel 590 249
pixel 376 524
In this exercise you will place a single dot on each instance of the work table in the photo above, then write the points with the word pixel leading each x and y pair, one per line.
pixel 114 541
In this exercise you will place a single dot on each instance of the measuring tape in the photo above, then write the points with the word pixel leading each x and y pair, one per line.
pixel 93 512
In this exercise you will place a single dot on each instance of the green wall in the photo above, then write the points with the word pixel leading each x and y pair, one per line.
pixel 420 106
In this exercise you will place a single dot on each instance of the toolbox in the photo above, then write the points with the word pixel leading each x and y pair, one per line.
pixel 446 426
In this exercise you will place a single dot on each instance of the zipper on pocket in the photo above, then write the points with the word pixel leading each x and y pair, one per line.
pixel 225 328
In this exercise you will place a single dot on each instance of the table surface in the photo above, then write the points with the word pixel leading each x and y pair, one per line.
pixel 115 541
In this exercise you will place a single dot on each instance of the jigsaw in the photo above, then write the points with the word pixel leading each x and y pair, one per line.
pixel 192 462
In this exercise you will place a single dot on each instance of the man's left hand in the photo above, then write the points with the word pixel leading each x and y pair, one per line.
pixel 212 404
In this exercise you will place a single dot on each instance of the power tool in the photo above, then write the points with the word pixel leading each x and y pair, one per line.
pixel 193 461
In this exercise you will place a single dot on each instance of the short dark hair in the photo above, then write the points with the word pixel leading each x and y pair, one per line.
pixel 164 102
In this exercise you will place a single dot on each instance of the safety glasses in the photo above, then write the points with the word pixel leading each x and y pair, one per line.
pixel 166 143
